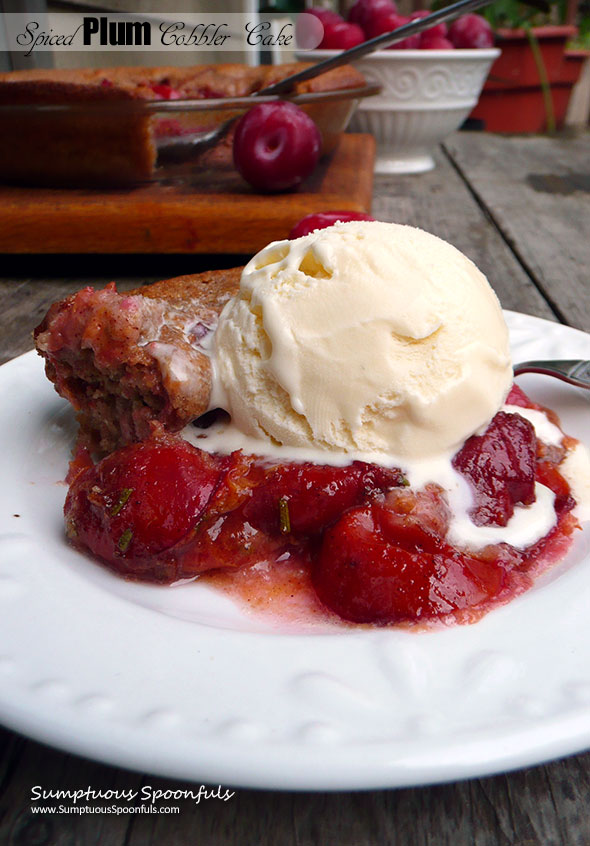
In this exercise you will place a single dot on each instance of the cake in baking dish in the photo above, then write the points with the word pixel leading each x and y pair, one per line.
pixel 94 145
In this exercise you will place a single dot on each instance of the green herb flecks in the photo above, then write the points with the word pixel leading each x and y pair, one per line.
pixel 284 518
pixel 123 500
pixel 125 540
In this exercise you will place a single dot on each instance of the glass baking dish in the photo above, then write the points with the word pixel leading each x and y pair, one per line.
pixel 133 141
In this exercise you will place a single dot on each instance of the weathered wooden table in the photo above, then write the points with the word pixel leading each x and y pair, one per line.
pixel 520 208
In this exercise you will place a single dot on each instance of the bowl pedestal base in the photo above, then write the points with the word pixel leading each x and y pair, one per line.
pixel 387 161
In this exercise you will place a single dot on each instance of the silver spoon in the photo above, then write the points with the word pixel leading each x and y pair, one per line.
pixel 573 371
pixel 178 149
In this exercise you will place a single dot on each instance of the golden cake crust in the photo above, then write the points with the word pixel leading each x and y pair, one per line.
pixel 133 364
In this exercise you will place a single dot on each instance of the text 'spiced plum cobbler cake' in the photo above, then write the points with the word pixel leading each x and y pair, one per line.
pixel 332 428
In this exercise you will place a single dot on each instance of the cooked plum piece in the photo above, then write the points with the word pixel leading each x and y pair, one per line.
pixel 500 465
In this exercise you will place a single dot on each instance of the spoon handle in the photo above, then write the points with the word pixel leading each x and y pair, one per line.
pixel 574 371
pixel 386 39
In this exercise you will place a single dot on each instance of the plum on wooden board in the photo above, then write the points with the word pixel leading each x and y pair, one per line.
pixel 276 146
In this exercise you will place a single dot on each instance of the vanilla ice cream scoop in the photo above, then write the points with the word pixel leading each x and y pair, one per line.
pixel 363 337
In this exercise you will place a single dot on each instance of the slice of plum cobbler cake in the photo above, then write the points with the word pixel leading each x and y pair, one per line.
pixel 333 427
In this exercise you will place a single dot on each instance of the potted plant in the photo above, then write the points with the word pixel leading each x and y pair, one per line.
pixel 529 85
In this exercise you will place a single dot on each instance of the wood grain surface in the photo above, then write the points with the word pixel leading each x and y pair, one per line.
pixel 484 197
pixel 537 193
pixel 205 211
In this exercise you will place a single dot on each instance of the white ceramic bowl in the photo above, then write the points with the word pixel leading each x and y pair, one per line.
pixel 426 94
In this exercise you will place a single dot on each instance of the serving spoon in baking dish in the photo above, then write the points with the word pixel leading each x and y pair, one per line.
pixel 181 148
pixel 573 371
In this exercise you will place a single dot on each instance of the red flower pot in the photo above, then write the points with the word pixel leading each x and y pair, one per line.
pixel 573 64
pixel 512 98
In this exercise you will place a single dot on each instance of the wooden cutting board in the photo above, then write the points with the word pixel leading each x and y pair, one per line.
pixel 212 212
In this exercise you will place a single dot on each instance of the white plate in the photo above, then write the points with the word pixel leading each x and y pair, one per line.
pixel 179 682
